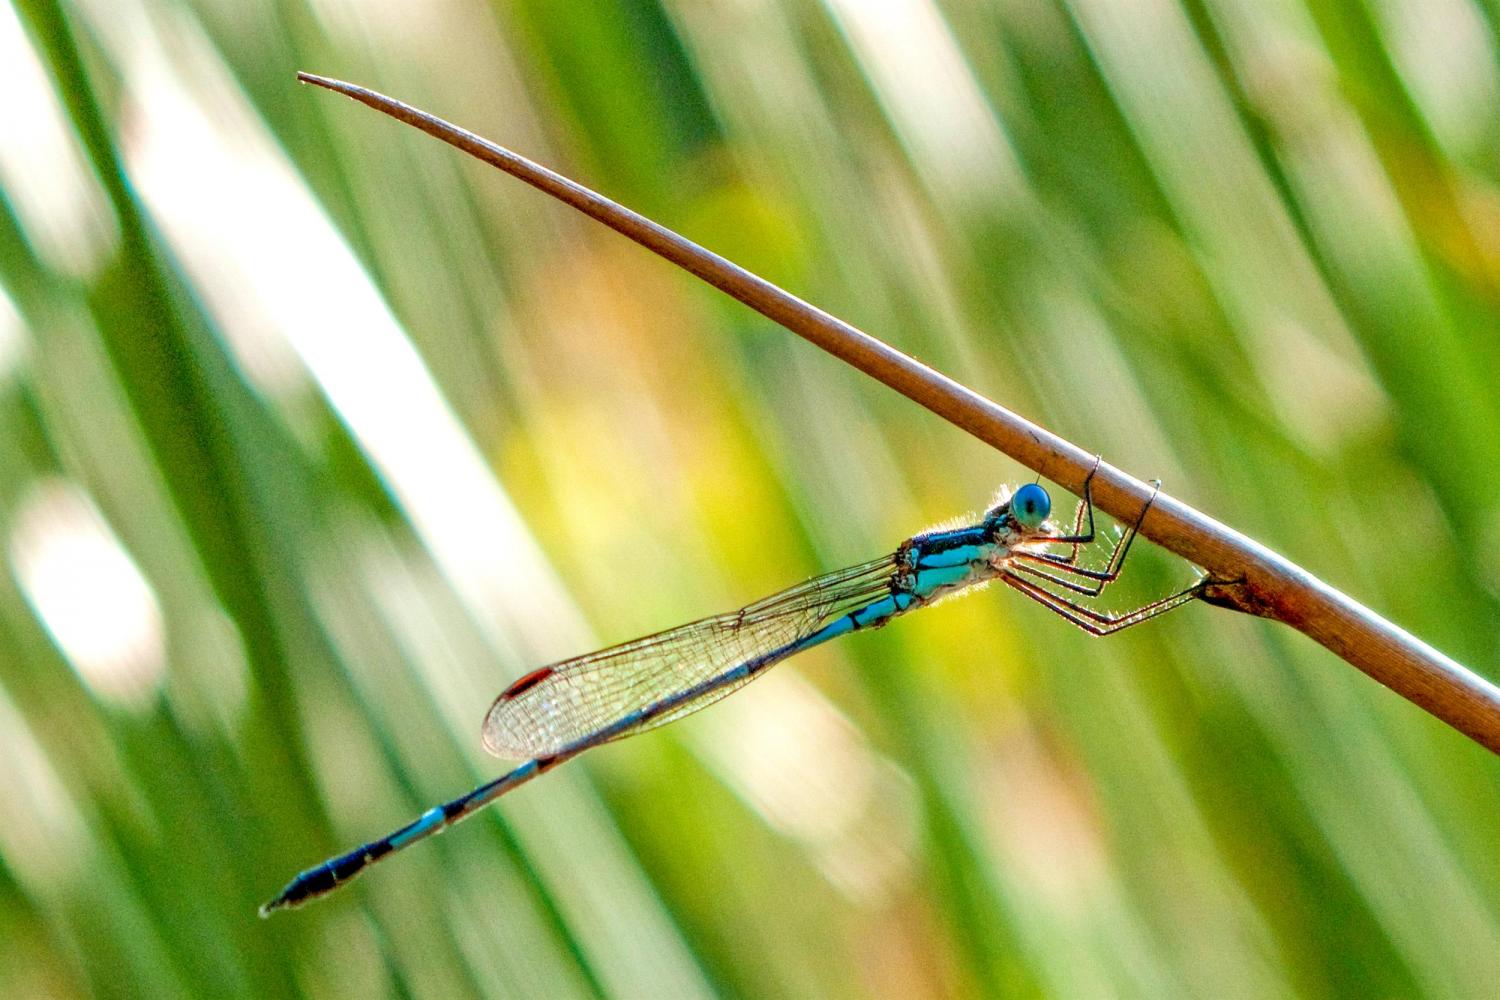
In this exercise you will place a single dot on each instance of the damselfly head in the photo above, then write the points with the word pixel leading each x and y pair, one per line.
pixel 1020 513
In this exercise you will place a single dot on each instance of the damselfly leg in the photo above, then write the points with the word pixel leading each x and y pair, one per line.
pixel 1098 622
pixel 1025 575
pixel 1085 509
pixel 1069 564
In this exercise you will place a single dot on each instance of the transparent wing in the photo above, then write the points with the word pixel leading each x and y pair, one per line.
pixel 554 707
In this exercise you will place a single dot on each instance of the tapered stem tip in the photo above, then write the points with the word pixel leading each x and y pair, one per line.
pixel 322 81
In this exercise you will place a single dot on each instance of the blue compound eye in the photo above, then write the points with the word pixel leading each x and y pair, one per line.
pixel 1031 505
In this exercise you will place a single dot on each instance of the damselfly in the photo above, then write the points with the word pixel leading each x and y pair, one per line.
pixel 553 714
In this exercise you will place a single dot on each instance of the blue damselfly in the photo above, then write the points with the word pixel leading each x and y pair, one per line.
pixel 555 713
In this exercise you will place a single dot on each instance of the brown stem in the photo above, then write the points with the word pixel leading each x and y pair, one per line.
pixel 1253 578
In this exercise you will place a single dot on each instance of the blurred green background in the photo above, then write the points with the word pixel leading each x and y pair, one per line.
pixel 316 434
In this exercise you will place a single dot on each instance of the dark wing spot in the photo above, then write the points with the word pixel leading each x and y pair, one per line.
pixel 526 683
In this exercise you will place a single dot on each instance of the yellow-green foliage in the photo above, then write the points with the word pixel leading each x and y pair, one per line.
pixel 314 435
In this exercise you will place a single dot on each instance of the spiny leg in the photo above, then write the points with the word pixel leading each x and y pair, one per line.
pixel 1096 622
pixel 1079 536
pixel 1067 564
pixel 1093 589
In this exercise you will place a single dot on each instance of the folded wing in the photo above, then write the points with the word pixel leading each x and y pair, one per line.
pixel 559 705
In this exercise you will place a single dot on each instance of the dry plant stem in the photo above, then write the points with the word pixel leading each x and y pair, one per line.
pixel 1251 577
